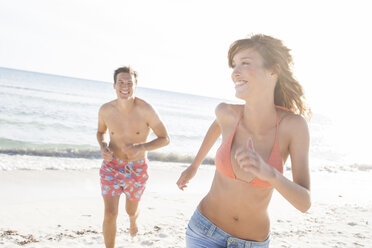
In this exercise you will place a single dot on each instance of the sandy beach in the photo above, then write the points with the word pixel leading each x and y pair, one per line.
pixel 63 208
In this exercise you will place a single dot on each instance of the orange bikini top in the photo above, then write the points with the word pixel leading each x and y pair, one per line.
pixel 223 154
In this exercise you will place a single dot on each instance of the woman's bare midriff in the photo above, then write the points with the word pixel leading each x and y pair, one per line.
pixel 238 208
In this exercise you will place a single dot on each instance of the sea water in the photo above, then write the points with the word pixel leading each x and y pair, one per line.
pixel 51 115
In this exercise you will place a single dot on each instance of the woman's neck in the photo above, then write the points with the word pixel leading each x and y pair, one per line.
pixel 260 115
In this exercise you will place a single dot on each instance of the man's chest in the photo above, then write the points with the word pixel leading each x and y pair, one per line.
pixel 120 125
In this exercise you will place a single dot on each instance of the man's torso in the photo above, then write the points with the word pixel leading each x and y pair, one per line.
pixel 126 128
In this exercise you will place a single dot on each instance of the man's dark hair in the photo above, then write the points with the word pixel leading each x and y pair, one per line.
pixel 125 69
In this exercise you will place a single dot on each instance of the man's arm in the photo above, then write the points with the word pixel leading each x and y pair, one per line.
pixel 158 128
pixel 101 132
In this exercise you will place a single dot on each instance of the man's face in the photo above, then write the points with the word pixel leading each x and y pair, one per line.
pixel 124 85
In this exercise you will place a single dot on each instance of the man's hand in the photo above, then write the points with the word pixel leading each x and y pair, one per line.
pixel 107 154
pixel 132 150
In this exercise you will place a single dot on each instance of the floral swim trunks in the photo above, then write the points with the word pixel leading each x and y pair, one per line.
pixel 118 176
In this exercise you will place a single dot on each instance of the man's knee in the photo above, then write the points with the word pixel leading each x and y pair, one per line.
pixel 131 212
pixel 131 207
pixel 111 213
pixel 111 207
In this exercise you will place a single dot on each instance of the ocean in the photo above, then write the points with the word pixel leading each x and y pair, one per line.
pixel 56 116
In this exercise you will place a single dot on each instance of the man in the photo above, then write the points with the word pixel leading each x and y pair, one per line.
pixel 124 168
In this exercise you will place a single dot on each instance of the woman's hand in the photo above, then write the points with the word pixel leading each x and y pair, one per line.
pixel 186 176
pixel 250 161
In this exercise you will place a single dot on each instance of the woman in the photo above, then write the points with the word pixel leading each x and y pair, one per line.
pixel 257 139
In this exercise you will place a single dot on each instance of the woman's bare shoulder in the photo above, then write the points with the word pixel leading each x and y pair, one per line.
pixel 292 123
pixel 228 112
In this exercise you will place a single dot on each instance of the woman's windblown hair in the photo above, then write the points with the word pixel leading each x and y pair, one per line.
pixel 288 92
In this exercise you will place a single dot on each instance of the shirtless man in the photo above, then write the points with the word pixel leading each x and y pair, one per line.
pixel 124 168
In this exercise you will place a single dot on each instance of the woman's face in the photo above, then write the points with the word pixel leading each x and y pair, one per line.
pixel 249 75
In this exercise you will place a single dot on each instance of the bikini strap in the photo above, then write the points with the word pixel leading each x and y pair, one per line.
pixel 277 119
pixel 277 127
pixel 283 108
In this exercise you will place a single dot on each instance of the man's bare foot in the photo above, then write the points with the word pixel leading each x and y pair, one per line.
pixel 133 228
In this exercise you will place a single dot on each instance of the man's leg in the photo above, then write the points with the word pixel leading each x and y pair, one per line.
pixel 132 210
pixel 109 221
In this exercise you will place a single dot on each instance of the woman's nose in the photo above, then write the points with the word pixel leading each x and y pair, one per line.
pixel 235 73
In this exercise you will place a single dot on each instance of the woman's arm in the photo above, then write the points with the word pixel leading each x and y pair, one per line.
pixel 210 138
pixel 297 192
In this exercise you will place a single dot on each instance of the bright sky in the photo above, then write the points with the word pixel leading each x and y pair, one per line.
pixel 182 45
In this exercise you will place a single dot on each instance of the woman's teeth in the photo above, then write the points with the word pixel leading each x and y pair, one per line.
pixel 239 83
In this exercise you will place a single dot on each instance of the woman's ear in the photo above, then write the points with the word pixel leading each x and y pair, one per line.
pixel 275 70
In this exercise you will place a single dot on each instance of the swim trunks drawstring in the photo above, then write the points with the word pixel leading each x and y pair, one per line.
pixel 129 170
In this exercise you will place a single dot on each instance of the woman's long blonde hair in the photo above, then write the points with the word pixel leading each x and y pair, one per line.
pixel 288 92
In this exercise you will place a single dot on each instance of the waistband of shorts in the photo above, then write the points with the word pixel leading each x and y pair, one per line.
pixel 119 161
pixel 203 225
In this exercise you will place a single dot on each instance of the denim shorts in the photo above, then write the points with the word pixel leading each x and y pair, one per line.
pixel 201 233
